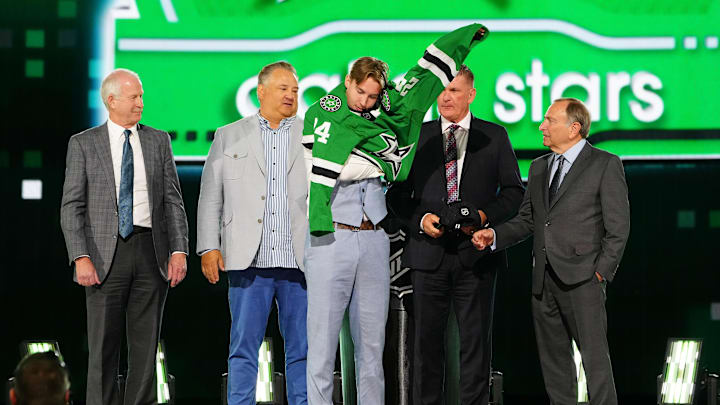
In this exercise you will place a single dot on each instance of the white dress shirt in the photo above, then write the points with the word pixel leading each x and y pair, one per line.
pixel 141 199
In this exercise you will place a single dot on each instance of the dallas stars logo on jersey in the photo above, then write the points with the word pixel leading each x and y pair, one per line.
pixel 330 103
pixel 385 136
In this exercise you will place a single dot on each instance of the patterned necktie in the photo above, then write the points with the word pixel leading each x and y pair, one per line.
pixel 125 199
pixel 555 183
pixel 451 165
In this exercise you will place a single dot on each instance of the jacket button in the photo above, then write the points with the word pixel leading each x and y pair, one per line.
pixel 260 221
pixel 262 197
pixel 547 223
pixel 543 249
pixel 114 236
pixel 235 156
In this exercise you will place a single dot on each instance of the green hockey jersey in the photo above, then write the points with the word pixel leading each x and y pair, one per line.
pixel 385 136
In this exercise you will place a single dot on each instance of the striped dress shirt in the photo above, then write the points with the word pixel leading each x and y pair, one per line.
pixel 276 248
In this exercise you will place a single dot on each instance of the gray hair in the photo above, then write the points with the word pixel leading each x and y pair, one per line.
pixel 111 86
pixel 577 112
pixel 267 70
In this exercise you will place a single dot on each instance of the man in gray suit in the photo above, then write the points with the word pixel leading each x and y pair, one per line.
pixel 576 206
pixel 252 222
pixel 126 231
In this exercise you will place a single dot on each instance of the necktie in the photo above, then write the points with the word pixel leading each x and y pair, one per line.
pixel 125 198
pixel 451 165
pixel 555 183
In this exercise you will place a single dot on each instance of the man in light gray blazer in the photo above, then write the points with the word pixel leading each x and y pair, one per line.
pixel 125 228
pixel 252 222
pixel 576 206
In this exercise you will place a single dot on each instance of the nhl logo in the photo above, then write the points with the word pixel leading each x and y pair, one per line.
pixel 385 101
pixel 368 116
pixel 330 103
pixel 464 211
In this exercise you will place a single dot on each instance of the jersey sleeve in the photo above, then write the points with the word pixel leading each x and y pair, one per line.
pixel 438 66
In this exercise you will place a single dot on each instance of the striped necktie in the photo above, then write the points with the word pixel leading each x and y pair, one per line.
pixel 451 168
pixel 125 198
pixel 555 183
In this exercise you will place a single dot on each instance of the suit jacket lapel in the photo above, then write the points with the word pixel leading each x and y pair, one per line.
pixel 545 186
pixel 252 128
pixel 147 143
pixel 437 144
pixel 295 147
pixel 476 140
pixel 102 145
pixel 577 167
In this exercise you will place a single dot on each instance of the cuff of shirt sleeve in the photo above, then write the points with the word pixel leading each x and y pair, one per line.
pixel 179 251
pixel 421 222
pixel 494 244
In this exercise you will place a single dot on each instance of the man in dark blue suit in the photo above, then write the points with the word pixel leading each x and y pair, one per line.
pixel 459 158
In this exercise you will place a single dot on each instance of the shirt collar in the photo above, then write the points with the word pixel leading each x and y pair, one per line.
pixel 116 131
pixel 463 123
pixel 265 124
pixel 571 154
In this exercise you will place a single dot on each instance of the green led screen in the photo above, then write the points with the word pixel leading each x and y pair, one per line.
pixel 646 69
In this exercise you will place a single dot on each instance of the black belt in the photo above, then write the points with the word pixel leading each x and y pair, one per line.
pixel 140 229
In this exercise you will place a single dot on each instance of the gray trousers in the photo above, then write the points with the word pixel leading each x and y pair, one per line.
pixel 347 270
pixel 562 313
pixel 131 298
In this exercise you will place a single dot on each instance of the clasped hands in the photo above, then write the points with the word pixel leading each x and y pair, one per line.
pixel 483 239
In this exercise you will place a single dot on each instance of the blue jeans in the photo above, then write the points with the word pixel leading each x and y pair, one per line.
pixel 250 295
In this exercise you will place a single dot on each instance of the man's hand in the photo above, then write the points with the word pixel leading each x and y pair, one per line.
pixel 428 226
pixel 483 238
pixel 177 268
pixel 481 34
pixel 85 272
pixel 210 263
pixel 469 230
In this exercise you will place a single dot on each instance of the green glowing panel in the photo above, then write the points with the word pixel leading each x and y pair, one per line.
pixel 714 219
pixel 34 38
pixel 647 71
pixel 163 384
pixel 264 391
pixel 41 346
pixel 67 9
pixel 686 219
pixel 34 68
pixel 32 159
pixel 680 373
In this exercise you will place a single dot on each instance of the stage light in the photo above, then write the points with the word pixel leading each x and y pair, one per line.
pixel 28 347
pixel 680 373
pixel 163 380
pixel 582 397
pixel 264 389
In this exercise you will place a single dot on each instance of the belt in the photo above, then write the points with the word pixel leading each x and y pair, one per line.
pixel 140 229
pixel 364 226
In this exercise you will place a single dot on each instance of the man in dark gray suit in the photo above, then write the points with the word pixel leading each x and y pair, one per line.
pixel 126 231
pixel 576 206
